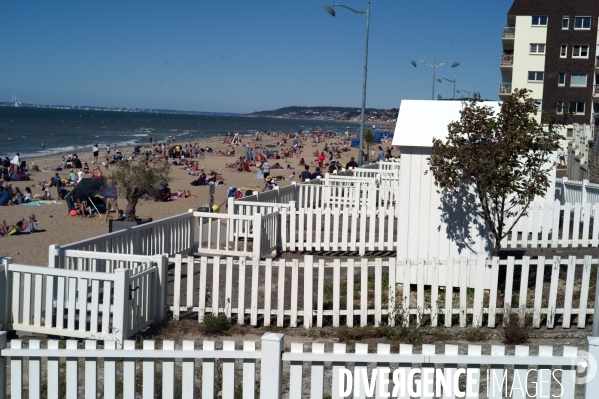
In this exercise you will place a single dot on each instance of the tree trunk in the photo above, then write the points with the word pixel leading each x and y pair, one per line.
pixel 130 210
pixel 497 248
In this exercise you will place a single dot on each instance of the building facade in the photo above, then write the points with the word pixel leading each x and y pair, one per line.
pixel 550 48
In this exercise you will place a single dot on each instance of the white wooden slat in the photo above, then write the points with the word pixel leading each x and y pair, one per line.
pixel 406 282
pixel 53 373
pixel 249 371
pixel 309 228
pixel 26 309
pixel 354 230
pixel 392 291
pixel 584 291
pixel 16 372
pixel 576 226
pixel 345 231
pixel 35 371
pixel 49 301
pixel 91 371
pixel 378 290
pixel 496 389
pixel 215 284
pixel 552 303
pixel 72 373
pixel 82 298
pixel 228 387
pixel 281 294
pixel 241 292
pixel 59 303
pixel 586 230
pixel 428 372
pixel 93 319
pixel 479 291
pixel 569 374
pixel 381 219
pixel 318 229
pixel 190 278
pixel 360 349
pixel 463 290
pixel 525 225
pixel 336 291
pixel 493 291
pixel 188 372
pixel 148 367
pixel 535 225
pixel 372 228
pixel 520 371
pixel 364 293
pixel 229 287
pixel 301 239
pixel 547 220
pixel 267 289
pixel 320 293
pixel 106 308
pixel 292 228
pixel 569 292
pixel 363 222
pixel 556 215
pixel 317 373
pixel 544 373
pixel 380 388
pixel 595 239
pixel 177 288
pixel 295 373
pixel 350 292
pixel 522 297
pixel 566 225
pixel 254 297
pixel 294 292
pixel 434 279
pixel 37 301
pixel 168 372
pixel 509 284
pixel 208 374
pixel 336 369
pixel 308 287
pixel 202 288
pixel 449 292
pixel 474 370
pixel 536 316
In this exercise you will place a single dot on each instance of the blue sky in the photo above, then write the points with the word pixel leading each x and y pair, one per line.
pixel 244 56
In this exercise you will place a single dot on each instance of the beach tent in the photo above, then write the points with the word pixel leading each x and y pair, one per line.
pixel 90 190
pixel 355 142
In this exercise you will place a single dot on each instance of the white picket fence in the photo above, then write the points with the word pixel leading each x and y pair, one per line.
pixel 232 372
pixel 171 235
pixel 552 291
pixel 573 192
pixel 85 303
pixel 552 225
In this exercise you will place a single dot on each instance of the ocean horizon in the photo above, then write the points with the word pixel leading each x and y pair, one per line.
pixel 23 130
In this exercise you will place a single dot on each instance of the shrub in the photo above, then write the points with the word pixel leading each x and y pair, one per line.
pixel 216 324
pixel 515 331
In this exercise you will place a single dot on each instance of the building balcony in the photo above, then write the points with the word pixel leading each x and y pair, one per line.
pixel 507 60
pixel 596 91
pixel 505 89
pixel 509 32
pixel 597 62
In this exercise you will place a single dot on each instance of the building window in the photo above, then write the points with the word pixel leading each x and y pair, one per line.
pixel 563 52
pixel 578 79
pixel 580 51
pixel 535 76
pixel 537 48
pixel 539 20
pixel 565 22
pixel 581 22
pixel 570 132
pixel 577 107
pixel 561 79
pixel 560 107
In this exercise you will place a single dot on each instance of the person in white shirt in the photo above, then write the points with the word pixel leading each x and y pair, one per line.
pixel 80 175
pixel 46 194
pixel 562 158
pixel 95 150
pixel 15 163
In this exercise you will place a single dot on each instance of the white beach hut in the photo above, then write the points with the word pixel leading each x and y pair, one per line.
pixel 430 226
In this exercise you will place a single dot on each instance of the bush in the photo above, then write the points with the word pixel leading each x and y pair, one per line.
pixel 216 325
pixel 474 335
pixel 515 331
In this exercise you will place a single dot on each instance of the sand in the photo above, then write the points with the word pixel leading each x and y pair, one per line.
pixel 57 227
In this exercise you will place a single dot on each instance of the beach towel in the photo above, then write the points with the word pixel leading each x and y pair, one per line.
pixel 36 203
pixel 260 175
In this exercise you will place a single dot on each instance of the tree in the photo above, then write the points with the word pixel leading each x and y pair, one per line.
pixel 136 179
pixel 368 140
pixel 501 160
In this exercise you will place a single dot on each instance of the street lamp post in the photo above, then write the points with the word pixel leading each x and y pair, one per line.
pixel 434 65
pixel 465 91
pixel 449 80
pixel 331 10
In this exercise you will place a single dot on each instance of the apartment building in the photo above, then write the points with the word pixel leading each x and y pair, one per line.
pixel 550 48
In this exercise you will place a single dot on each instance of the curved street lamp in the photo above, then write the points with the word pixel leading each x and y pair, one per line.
pixel 330 9
pixel 434 65
pixel 465 91
pixel 449 80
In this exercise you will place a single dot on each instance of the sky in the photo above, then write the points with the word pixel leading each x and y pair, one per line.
pixel 243 56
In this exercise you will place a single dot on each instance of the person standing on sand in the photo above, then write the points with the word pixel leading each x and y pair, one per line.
pixel 111 196
pixel 95 150
pixel 108 149
pixel 43 145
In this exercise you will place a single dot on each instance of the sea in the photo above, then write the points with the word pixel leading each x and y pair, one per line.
pixel 36 132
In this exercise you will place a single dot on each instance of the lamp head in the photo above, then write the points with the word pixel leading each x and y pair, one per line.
pixel 439 80
pixel 455 64
pixel 329 10
pixel 413 63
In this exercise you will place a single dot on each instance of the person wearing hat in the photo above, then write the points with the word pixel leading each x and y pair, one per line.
pixel 270 184
pixel 351 164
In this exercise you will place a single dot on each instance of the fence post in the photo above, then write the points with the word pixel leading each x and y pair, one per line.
pixel 583 200
pixel 257 230
pixel 6 288
pixel 53 256
pixel 191 232
pixel 595 329
pixel 161 262
pixel 120 315
pixel 3 385
pixel 592 386
pixel 271 366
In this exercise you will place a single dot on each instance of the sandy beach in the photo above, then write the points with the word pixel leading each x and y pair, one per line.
pixel 57 227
